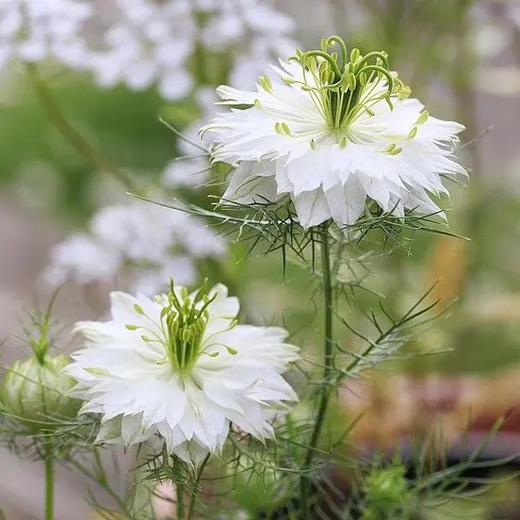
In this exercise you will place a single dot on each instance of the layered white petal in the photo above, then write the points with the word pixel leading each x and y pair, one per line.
pixel 125 375
pixel 392 155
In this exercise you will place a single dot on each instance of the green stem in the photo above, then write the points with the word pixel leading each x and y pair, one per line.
pixel 49 487
pixel 180 502
pixel 328 359
pixel 179 488
pixel 69 133
pixel 195 490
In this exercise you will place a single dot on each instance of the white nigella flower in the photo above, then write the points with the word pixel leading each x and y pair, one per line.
pixel 334 129
pixel 181 366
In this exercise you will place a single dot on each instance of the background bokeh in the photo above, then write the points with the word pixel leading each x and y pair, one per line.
pixel 462 59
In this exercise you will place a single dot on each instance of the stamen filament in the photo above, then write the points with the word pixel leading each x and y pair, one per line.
pixel 343 87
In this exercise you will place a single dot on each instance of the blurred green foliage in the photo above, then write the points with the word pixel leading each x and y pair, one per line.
pixel 122 126
pixel 427 41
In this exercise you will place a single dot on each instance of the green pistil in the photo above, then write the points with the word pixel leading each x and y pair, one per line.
pixel 183 323
pixel 344 86
pixel 186 319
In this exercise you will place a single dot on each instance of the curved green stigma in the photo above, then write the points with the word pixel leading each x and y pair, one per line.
pixel 186 318
pixel 183 322
pixel 345 85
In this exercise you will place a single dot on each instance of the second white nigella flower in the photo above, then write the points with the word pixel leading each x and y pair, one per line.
pixel 331 129
pixel 181 366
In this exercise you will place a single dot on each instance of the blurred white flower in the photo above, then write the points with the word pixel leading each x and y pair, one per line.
pixel 146 42
pixel 249 66
pixel 156 243
pixel 506 81
pixel 186 172
pixel 193 168
pixel 140 43
pixel 243 22
pixel 181 366
pixel 491 29
pixel 154 279
pixel 494 29
pixel 143 232
pixel 206 99
pixel 83 259
pixel 32 31
pixel 331 130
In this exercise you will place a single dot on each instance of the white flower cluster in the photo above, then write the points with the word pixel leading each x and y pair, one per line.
pixel 146 43
pixel 32 31
pixel 157 244
pixel 152 42
pixel 252 29
pixel 141 43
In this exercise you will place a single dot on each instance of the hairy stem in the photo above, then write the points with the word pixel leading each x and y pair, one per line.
pixel 179 489
pixel 328 358
pixel 195 490
pixel 69 133
pixel 49 487
pixel 99 477
pixel 181 515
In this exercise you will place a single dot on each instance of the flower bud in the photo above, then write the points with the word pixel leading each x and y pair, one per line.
pixel 386 490
pixel 38 394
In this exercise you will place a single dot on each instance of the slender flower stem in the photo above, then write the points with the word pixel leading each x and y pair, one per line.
pixel 69 133
pixel 49 487
pixel 195 490
pixel 179 489
pixel 181 515
pixel 328 358
pixel 99 477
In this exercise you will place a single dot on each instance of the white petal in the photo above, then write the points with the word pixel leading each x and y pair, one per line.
pixel 191 452
pixel 131 382
pixel 223 306
pixel 312 208
pixel 355 198
pixel 251 183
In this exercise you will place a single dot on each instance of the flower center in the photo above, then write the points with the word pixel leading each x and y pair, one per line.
pixel 344 85
pixel 185 319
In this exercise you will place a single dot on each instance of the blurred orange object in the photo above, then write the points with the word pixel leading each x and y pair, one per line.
pixel 400 408
pixel 447 269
